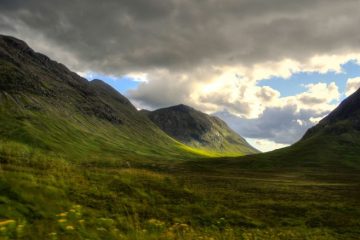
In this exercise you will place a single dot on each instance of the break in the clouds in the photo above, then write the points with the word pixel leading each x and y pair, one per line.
pixel 218 56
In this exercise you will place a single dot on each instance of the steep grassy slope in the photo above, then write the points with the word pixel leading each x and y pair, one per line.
pixel 45 105
pixel 199 130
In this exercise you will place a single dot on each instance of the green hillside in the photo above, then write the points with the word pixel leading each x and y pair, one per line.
pixel 78 161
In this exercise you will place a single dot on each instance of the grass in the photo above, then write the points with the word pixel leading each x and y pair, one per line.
pixel 208 152
pixel 53 198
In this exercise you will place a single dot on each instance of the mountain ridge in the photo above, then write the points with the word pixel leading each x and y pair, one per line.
pixel 81 117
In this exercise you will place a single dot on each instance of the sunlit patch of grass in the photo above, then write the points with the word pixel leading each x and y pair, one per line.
pixel 209 153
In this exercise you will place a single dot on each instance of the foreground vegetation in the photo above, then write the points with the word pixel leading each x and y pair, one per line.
pixel 46 196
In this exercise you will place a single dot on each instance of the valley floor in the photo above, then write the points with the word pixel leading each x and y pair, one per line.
pixel 51 198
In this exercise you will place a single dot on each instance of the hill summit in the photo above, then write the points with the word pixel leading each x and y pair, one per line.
pixel 198 129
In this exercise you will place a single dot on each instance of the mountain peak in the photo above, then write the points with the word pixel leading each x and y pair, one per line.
pixel 108 91
pixel 349 108
pixel 180 107
pixel 14 42
pixel 28 73
pixel 198 129
pixel 100 84
pixel 10 44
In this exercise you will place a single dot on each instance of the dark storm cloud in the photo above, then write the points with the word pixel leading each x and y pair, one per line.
pixel 163 90
pixel 128 35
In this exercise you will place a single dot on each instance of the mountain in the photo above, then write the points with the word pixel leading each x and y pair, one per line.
pixel 332 145
pixel 45 106
pixel 335 140
pixel 199 130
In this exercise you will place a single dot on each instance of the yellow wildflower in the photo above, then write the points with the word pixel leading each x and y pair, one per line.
pixel 69 228
pixel 64 214
pixel 156 222
pixel 7 222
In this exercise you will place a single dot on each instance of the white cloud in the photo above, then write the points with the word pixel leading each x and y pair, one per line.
pixel 318 97
pixel 300 122
pixel 138 76
pixel 265 145
pixel 246 99
pixel 284 120
pixel 352 85
pixel 315 120
pixel 235 87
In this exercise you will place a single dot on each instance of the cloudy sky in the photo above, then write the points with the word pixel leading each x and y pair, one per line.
pixel 270 68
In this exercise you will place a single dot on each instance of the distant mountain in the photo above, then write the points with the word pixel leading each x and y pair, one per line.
pixel 199 130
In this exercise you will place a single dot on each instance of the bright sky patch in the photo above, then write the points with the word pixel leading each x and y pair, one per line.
pixel 297 82
pixel 122 83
